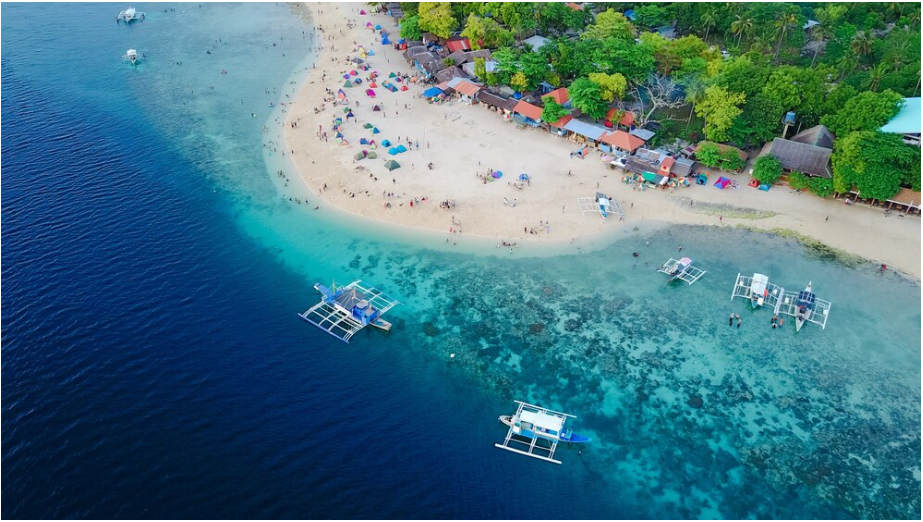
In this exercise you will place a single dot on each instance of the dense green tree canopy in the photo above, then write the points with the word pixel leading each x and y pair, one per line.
pixel 719 108
pixel 767 169
pixel 865 111
pixel 875 163
pixel 552 111
pixel 609 24
pixel 437 18
pixel 587 96
pixel 410 28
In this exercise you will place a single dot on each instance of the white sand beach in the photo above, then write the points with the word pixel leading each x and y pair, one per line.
pixel 463 141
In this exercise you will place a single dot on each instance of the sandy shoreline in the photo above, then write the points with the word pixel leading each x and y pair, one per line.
pixel 463 141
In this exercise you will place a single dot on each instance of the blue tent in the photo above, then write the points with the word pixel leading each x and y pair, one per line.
pixel 386 143
pixel 378 27
pixel 524 177
pixel 432 92
pixel 363 141
pixel 376 131
pixel 397 150
pixel 385 41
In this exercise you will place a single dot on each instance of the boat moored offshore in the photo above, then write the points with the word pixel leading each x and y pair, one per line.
pixel 130 15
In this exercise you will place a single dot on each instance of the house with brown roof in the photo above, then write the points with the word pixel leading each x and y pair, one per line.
pixel 807 152
pixel 496 102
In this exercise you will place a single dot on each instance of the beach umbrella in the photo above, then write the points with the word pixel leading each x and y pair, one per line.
pixel 353 72
pixel 359 156
pixel 496 174
pixel 403 88
pixel 373 84
pixel 376 131
pixel 372 155
pixel 372 52
pixel 363 141
pixel 386 143
pixel 339 135
pixel 350 115
pixel 362 12
pixel 392 75
pixel 376 108
pixel 367 126
pixel 368 24
pixel 391 165
pixel 377 27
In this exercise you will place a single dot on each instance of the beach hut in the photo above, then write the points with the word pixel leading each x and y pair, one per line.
pixel 391 165
pixel 376 108
pixel 370 93
pixel 367 126
pixel 376 131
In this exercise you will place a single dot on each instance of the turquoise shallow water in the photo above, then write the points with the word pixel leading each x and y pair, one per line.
pixel 690 418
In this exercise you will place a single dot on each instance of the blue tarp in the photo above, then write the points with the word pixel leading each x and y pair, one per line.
pixel 432 92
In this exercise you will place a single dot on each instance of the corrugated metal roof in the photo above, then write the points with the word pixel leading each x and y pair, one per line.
pixel 644 134
pixel 589 130
pixel 907 120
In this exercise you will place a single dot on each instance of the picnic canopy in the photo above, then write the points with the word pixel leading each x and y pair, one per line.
pixel 432 92
pixel 391 165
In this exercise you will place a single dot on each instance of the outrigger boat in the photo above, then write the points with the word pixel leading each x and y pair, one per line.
pixel 131 56
pixel 344 311
pixel 531 424
pixel 805 307
pixel 129 15
pixel 602 204
pixel 681 269
pixel 758 290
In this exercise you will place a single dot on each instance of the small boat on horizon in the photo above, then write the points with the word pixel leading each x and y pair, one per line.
pixel 130 15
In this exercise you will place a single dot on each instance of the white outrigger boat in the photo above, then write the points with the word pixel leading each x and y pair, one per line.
pixel 131 56
pixel 759 291
pixel 805 307
pixel 532 424
pixel 130 15
pixel 343 312
pixel 601 204
pixel 681 269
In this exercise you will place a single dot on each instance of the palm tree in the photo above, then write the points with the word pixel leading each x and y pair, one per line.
pixel 760 44
pixel 827 18
pixel 897 8
pixel 847 64
pixel 861 44
pixel 740 26
pixel 694 86
pixel 783 24
pixel 708 20
pixel 876 74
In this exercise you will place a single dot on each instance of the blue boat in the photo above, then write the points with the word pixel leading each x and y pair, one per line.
pixel 344 311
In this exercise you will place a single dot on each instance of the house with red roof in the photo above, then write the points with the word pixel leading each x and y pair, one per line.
pixel 458 43
pixel 574 6
pixel 528 114
pixel 622 141
pixel 561 96
pixel 625 122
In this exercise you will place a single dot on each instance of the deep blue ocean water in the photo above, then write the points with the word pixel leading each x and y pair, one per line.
pixel 153 365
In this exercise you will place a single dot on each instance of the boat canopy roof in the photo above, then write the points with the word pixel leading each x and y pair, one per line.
pixel 543 420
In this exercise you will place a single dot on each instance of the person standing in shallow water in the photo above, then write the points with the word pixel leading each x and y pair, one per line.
pixel 731 320
pixel 738 321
